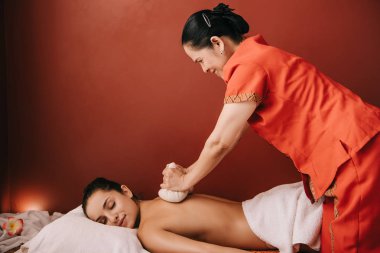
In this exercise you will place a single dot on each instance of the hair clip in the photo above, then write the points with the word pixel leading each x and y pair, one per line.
pixel 207 20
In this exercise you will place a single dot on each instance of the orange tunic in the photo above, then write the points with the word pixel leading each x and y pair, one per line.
pixel 303 113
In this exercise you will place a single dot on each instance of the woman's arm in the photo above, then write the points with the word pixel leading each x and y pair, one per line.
pixel 158 240
pixel 229 128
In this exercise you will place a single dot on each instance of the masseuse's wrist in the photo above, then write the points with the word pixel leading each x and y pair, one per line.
pixel 186 183
pixel 186 170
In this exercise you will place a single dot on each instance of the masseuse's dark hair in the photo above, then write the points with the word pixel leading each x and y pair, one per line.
pixel 99 183
pixel 220 21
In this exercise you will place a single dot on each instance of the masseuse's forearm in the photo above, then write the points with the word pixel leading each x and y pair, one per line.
pixel 231 125
pixel 213 152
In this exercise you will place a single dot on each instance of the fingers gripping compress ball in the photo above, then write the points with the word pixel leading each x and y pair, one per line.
pixel 172 196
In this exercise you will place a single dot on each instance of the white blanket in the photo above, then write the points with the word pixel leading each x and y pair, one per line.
pixel 34 221
pixel 284 217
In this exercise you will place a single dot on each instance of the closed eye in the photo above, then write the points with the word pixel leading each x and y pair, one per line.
pixel 110 204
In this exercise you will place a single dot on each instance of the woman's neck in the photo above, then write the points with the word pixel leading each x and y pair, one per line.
pixel 142 205
pixel 230 45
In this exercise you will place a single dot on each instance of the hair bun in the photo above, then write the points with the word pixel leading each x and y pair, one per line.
pixel 222 9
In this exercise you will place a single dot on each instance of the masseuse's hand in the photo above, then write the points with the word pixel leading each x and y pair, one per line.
pixel 174 178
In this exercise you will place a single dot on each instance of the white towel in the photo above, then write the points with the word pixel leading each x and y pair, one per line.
pixel 284 217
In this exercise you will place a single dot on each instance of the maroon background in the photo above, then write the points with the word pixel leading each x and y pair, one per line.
pixel 103 88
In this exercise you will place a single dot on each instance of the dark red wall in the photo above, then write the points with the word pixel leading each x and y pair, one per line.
pixel 103 88
pixel 4 176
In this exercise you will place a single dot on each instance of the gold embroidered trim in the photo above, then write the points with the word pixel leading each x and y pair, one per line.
pixel 243 98
pixel 311 186
pixel 328 193
pixel 332 237
pixel 336 215
pixel 336 211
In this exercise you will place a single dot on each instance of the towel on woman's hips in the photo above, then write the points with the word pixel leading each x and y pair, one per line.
pixel 284 217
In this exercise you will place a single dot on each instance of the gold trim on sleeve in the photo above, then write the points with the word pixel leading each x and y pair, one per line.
pixel 243 98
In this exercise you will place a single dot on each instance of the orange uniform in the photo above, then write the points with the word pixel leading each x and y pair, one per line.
pixel 328 131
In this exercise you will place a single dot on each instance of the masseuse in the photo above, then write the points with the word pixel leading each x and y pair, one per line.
pixel 329 132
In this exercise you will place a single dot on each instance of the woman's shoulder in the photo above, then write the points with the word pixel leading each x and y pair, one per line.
pixel 192 200
pixel 252 52
pixel 256 49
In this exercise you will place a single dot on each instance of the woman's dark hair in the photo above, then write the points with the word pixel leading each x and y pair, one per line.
pixel 220 21
pixel 99 183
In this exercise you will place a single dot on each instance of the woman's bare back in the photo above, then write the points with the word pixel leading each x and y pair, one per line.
pixel 201 218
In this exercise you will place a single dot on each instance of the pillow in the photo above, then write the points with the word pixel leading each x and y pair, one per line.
pixel 75 233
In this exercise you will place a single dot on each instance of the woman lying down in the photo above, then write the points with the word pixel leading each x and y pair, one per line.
pixel 280 218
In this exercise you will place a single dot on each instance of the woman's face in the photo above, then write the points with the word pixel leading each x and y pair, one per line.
pixel 212 59
pixel 113 208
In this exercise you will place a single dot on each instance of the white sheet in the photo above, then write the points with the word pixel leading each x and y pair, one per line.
pixel 75 233
pixel 34 221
